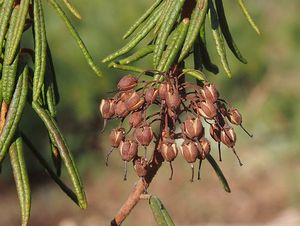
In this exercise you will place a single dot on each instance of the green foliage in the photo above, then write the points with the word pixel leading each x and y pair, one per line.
pixel 32 79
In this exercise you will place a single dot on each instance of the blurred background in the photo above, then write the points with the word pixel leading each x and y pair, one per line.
pixel 265 191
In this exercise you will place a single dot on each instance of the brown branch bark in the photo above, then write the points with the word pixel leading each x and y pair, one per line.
pixel 139 188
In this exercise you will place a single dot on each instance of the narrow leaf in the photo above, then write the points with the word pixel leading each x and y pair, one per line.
pixel 226 32
pixel 52 174
pixel 248 16
pixel 40 50
pixel 160 213
pixel 77 38
pixel 72 9
pixel 64 152
pixel 5 13
pixel 142 19
pixel 14 113
pixel 218 37
pixel 18 30
pixel 126 67
pixel 219 173
pixel 21 178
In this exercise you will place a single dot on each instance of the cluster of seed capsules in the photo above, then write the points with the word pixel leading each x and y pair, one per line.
pixel 181 110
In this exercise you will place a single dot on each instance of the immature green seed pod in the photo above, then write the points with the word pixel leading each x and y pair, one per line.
pixel 128 150
pixel 127 82
pixel 192 128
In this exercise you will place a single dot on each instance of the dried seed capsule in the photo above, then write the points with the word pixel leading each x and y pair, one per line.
pixel 215 132
pixel 234 116
pixel 121 110
pixel 222 108
pixel 173 100
pixel 207 109
pixel 144 135
pixel 107 108
pixel 228 136
pixel 192 128
pixel 204 148
pixel 151 95
pixel 140 164
pixel 209 92
pixel 127 82
pixel 168 151
pixel 128 149
pixel 134 102
pixel 189 151
pixel 163 89
pixel 116 136
pixel 125 95
pixel 135 118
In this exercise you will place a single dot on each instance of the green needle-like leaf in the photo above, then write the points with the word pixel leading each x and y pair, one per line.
pixel 21 178
pixel 77 38
pixel 219 173
pixel 65 153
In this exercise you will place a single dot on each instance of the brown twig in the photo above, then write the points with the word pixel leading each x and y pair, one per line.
pixel 139 188
pixel 4 109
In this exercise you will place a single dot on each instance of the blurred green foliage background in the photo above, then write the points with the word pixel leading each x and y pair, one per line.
pixel 265 191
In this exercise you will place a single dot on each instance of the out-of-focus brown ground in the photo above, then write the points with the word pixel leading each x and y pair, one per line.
pixel 260 196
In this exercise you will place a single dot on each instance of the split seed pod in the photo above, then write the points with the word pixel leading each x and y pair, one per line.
pixel 128 150
pixel 121 110
pixel 173 100
pixel 228 136
pixel 140 164
pixel 127 82
pixel 151 95
pixel 189 151
pixel 215 132
pixel 204 148
pixel 163 89
pixel 168 151
pixel 209 92
pixel 135 119
pixel 134 101
pixel 116 136
pixel 107 108
pixel 234 116
pixel 207 109
pixel 192 128
pixel 144 135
